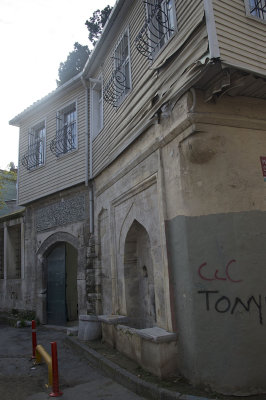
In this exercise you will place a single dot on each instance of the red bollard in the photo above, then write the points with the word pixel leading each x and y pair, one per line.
pixel 34 338
pixel 56 392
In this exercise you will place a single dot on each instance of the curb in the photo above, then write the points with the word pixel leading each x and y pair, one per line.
pixel 127 379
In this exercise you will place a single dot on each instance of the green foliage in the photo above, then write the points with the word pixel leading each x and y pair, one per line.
pixel 74 63
pixel 77 58
pixel 96 23
pixel 5 176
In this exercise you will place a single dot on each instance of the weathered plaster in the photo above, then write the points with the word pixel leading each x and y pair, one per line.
pixel 217 277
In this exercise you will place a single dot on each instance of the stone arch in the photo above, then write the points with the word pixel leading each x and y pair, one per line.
pixel 139 278
pixel 77 252
pixel 55 238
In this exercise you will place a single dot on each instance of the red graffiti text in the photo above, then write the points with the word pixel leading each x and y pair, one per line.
pixel 216 276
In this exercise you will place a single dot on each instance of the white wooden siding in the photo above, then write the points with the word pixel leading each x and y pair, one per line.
pixel 242 40
pixel 122 122
pixel 58 173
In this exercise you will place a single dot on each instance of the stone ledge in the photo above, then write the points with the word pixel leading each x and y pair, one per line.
pixel 93 318
pixel 157 335
pixel 113 319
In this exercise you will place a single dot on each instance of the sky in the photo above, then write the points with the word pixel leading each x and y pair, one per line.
pixel 35 36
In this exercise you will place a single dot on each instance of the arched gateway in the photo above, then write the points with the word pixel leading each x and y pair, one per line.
pixel 57 295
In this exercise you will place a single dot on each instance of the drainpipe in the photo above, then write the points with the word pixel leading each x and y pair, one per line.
pixel 86 130
pixel 88 158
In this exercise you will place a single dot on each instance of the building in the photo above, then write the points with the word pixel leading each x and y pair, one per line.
pixel 8 192
pixel 143 177
pixel 11 243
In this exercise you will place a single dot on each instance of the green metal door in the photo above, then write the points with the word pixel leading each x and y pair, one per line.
pixel 56 285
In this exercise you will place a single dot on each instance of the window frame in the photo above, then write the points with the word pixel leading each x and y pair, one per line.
pixel 116 67
pixel 40 141
pixel 62 125
pixel 167 35
pixel 96 106
pixel 252 16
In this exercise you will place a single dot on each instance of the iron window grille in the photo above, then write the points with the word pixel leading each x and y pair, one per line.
pixel 158 28
pixel 257 8
pixel 119 85
pixel 36 148
pixel 66 133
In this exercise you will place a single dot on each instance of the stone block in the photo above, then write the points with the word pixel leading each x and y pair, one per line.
pixel 89 327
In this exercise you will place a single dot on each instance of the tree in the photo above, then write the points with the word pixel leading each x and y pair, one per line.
pixel 74 63
pixel 6 176
pixel 77 58
pixel 96 23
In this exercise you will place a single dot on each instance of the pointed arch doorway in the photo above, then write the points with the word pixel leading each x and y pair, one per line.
pixel 62 298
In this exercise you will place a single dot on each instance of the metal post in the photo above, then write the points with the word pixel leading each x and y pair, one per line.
pixel 56 392
pixel 34 338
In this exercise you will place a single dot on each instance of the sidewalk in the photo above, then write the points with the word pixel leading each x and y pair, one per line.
pixel 129 374
pixel 20 379
pixel 87 371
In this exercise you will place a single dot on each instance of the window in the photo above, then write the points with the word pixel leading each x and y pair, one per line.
pixel 96 106
pixel 159 27
pixel 120 83
pixel 66 132
pixel 122 67
pixel 160 16
pixel 256 9
pixel 35 156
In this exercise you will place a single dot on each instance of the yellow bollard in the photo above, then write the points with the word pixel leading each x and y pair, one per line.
pixel 42 353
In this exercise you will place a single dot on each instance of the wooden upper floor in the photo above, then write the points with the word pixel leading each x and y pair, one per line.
pixel 149 54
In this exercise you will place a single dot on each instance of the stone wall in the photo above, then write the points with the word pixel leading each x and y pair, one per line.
pixel 195 183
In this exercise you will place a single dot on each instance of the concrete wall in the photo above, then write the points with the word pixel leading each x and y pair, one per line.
pixel 63 217
pixel 131 197
pixel 216 230
pixel 13 287
pixel 195 183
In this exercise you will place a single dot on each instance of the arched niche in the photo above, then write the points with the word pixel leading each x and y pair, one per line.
pixel 139 278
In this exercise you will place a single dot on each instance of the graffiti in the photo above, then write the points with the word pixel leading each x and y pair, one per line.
pixel 224 304
pixel 216 276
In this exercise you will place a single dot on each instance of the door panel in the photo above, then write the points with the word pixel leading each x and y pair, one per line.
pixel 56 286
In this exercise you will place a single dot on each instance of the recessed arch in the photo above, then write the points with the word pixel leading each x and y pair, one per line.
pixel 57 264
pixel 139 278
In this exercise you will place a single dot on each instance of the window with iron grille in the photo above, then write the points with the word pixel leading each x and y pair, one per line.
pixel 256 9
pixel 35 155
pixel 66 132
pixel 159 27
pixel 119 85
pixel 1 253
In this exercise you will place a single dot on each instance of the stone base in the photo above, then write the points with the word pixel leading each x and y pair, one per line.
pixel 154 349
pixel 89 327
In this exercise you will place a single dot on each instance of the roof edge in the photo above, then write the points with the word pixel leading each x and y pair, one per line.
pixel 16 120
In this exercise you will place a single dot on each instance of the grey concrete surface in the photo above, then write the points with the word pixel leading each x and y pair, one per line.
pixel 84 373
pixel 20 379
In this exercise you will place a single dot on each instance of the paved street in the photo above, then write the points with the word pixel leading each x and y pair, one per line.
pixel 21 380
